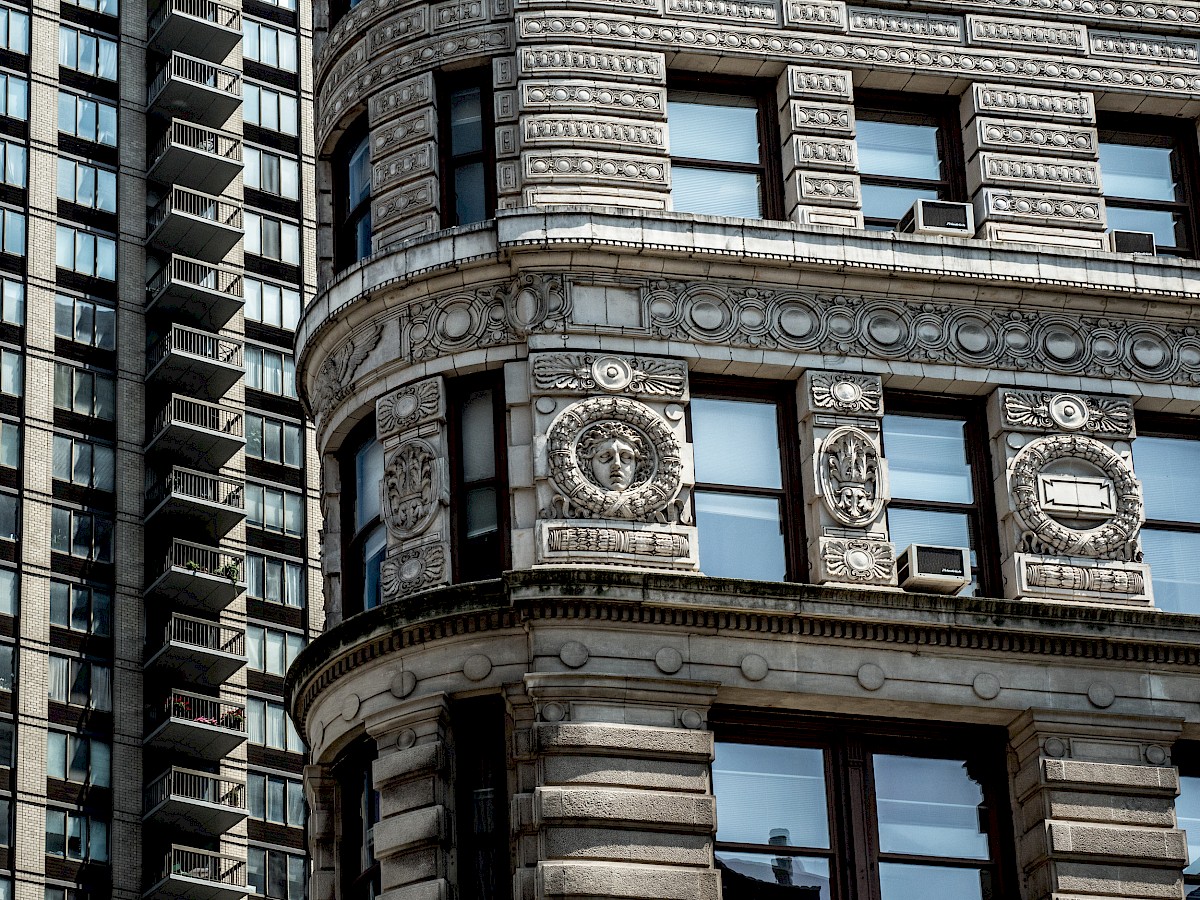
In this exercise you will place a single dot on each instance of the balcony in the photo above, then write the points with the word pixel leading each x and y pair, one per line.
pixel 195 802
pixel 200 875
pixel 197 157
pixel 202 91
pixel 200 652
pixel 203 727
pixel 196 362
pixel 197 431
pixel 200 27
pixel 208 295
pixel 198 577
pixel 198 224
pixel 196 502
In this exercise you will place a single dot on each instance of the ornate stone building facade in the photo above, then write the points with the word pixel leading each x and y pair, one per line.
pixel 632 381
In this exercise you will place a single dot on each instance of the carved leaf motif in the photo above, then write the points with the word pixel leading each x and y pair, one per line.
pixel 407 407
pixel 412 570
pixel 850 477
pixel 337 372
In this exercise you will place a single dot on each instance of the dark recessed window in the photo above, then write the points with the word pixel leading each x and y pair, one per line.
pixel 359 808
pixel 468 152
pixel 1145 168
pixel 480 494
pixel 909 149
pixel 352 196
pixel 1187 810
pixel 722 159
pixel 363 531
pixel 1168 466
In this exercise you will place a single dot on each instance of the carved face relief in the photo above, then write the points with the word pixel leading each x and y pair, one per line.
pixel 411 489
pixel 613 463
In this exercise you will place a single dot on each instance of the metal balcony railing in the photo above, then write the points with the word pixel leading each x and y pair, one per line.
pixel 205 560
pixel 208 10
pixel 201 139
pixel 205 864
pixel 205 635
pixel 186 202
pixel 192 485
pixel 203 787
pixel 189 70
pixel 199 414
pixel 194 342
pixel 193 273
pixel 206 711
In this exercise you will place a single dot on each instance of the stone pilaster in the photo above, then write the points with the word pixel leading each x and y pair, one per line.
pixel 320 790
pixel 1033 169
pixel 1094 802
pixel 820 165
pixel 405 196
pixel 845 479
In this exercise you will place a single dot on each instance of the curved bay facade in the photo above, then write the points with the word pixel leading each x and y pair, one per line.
pixel 656 434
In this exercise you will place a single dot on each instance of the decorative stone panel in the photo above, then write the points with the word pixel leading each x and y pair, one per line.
pixel 1071 508
pixel 612 466
pixel 1005 170
pixel 1144 47
pixel 1060 37
pixel 1039 104
pixel 895 23
pixel 845 479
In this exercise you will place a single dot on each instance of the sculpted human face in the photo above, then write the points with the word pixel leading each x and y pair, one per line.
pixel 614 464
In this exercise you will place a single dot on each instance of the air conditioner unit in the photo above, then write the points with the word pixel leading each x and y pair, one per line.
pixel 1133 242
pixel 936 570
pixel 939 217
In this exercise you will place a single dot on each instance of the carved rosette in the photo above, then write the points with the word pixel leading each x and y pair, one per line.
pixel 413 489
pixel 857 561
pixel 413 569
pixel 840 392
pixel 408 408
pixel 1041 411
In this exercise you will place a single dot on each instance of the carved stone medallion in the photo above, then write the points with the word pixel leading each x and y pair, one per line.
pixel 407 408
pixel 861 561
pixel 412 489
pixel 1062 481
pixel 611 457
pixel 847 394
pixel 849 473
pixel 1050 411
pixel 587 373
pixel 412 570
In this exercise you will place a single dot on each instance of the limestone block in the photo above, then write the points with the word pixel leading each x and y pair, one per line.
pixel 827 15
pixel 1072 211
pixel 1143 48
pixel 631 882
pixel 826 216
pixel 1003 232
pixel 904 24
pixel 592 96
pixel 1007 102
pixel 587 132
pixel 822 189
pixel 399 834
pixel 1098 879
pixel 429 890
pixel 743 12
pixel 824 153
pixel 813 117
pixel 1031 138
pixel 562 60
pixel 631 845
pixel 1024 34
pixel 830 85
pixel 1008 170
pixel 1143 845
pixel 686 812
pixel 627 772
pixel 622 740
pixel 1099 806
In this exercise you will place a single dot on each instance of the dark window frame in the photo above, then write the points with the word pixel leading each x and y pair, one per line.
pixel 354 540
pixel 353 772
pixel 1185 755
pixel 918 109
pixel 346 218
pixel 848 744
pixel 447 84
pixel 770 157
pixel 791 492
pixel 458 390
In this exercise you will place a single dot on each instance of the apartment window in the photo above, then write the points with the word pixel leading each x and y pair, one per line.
pixel 273 440
pixel 78 758
pixel 82 462
pixel 1187 805
pixel 82 391
pixel 352 196
pixel 87 53
pixel 1145 166
pixel 8 673
pixel 7 742
pixel 268 45
pixel 722 162
pixel 938 472
pixel 269 109
pixel 9 592
pixel 272 173
pixel 275 580
pixel 273 238
pixel 742 513
pixel 105 7
pixel 467 149
pixel 86 253
pixel 86 185
pixel 282 4
pixel 269 726
pixel 12 378
pixel 85 322
pixel 909 149
pixel 6 811
pixel 12 232
pixel 276 873
pixel 14 160
pixel 480 494
pixel 83 535
pixel 12 302
pixel 362 466
pixel 14 97
pixel 88 119
pixel 1165 464
pixel 81 608
pixel 272 304
pixel 14 30
pixel 76 835
pixel 10 444
pixel 274 798
pixel 80 682
pixel 275 509
pixel 911 816
pixel 271 650
pixel 272 371
pixel 9 517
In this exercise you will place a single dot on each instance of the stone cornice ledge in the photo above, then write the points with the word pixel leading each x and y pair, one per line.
pixel 769 609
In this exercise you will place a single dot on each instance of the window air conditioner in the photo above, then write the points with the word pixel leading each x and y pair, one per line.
pixel 939 217
pixel 1133 242
pixel 936 570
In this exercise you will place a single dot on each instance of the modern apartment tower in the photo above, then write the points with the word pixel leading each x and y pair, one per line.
pixel 759 450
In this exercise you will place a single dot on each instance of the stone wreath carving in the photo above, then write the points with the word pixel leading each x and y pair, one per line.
pixel 1115 538
pixel 615 458
pixel 849 471
pixel 412 489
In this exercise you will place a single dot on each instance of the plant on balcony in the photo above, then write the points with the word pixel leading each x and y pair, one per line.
pixel 231 571
pixel 181 708
pixel 234 719
pixel 206 720
pixel 192 566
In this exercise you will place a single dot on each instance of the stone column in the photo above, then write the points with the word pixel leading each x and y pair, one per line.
pixel 416 799
pixel 623 807
pixel 1070 508
pixel 405 194
pixel 1094 801
pixel 845 479
pixel 592 127
pixel 1033 168
pixel 320 789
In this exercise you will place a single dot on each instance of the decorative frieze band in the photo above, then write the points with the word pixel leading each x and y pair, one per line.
pixel 819 84
pixel 1023 33
pixel 645 137
pixel 593 97
pixel 893 22
pixel 1031 137
pixel 820 14
pixel 591 167
pixel 1020 171
pixel 731 11
pixel 818 118
pixel 1009 102
pixel 1061 211
pixel 567 61
pixel 1143 47
pixel 1046 411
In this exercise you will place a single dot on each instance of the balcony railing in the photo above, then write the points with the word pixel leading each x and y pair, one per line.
pixel 186 202
pixel 201 560
pixel 194 274
pixel 207 10
pixel 201 139
pixel 202 486
pixel 204 864
pixel 205 635
pixel 212 347
pixel 206 711
pixel 199 414
pixel 189 70
pixel 185 784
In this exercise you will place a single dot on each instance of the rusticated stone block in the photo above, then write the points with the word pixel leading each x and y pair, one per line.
pixel 429 890
pixel 600 738
pixel 1105 807
pixel 396 834
pixel 635 882
pixel 420 865
pixel 1146 845
pixel 664 809
pixel 662 774
pixel 1111 775
pixel 634 846
pixel 419 760
pixel 1118 881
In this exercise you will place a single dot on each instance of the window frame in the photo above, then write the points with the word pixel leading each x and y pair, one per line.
pixel 457 391
pixel 346 219
pixel 284 562
pixel 356 539
pixel 770 158
pixel 447 85
pixel 938 110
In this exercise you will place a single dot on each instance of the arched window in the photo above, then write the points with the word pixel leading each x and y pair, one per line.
pixel 352 196
pixel 363 535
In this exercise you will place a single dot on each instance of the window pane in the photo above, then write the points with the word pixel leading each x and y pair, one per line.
pixel 1142 173
pixel 746 876
pixel 740 536
pixel 927 459
pixel 771 795
pixel 368 468
pixel 275 800
pixel 295 803
pixel 101 763
pixel 898 149
pixel 736 442
pixel 721 127
pixel 903 882
pixel 478 437
pixel 713 192
pixel 1169 469
pixel 1172 557
pixel 1167 227
pixel 482 513
pixel 1187 813
pixel 56 755
pixel 470 202
pixel 929 807
pixel 884 202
